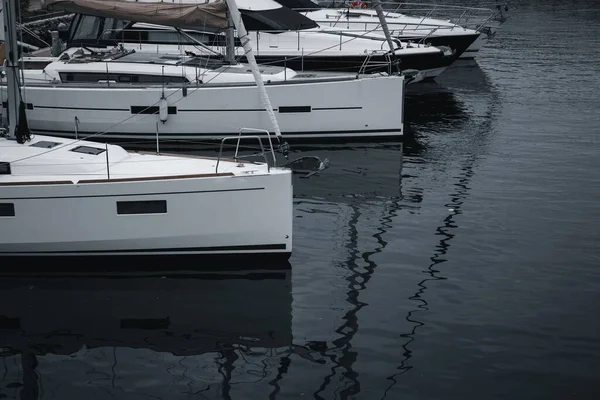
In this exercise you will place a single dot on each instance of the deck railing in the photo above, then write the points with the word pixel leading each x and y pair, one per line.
pixel 466 16
pixel 243 135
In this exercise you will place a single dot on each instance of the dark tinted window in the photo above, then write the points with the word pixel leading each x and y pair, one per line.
pixel 142 207
pixel 4 168
pixel 7 210
pixel 96 77
pixel 91 29
pixel 279 19
pixel 161 36
pixel 303 5
pixel 86 27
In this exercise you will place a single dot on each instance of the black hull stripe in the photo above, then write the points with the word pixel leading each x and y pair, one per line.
pixel 131 194
pixel 275 109
pixel 226 110
pixel 335 108
pixel 186 250
pixel 355 64
pixel 218 135
pixel 82 108
pixel 192 110
pixel 210 273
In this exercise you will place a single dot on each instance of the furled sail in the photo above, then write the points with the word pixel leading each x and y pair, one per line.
pixel 207 15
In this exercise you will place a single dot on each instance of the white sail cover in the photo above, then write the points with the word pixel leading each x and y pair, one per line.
pixel 208 15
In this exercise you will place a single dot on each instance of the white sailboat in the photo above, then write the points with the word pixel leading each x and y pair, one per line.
pixel 282 37
pixel 130 94
pixel 76 199
pixel 464 29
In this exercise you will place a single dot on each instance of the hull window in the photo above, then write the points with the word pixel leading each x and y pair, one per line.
pixel 7 210
pixel 294 109
pixel 142 207
pixel 4 168
pixel 151 110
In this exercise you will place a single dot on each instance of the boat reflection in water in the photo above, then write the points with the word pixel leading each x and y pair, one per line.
pixel 163 336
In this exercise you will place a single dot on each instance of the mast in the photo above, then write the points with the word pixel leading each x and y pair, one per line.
pixel 243 36
pixel 382 21
pixel 230 40
pixel 11 50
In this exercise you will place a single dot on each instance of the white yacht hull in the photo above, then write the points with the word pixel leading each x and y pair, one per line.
pixel 204 216
pixel 75 199
pixel 404 27
pixel 351 108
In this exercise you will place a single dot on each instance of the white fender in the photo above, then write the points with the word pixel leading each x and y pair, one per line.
pixel 163 110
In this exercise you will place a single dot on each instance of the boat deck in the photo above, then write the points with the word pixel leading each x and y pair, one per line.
pixel 73 161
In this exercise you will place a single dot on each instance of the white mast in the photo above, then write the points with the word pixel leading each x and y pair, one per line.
pixel 243 36
pixel 1 27
pixel 383 22
pixel 11 50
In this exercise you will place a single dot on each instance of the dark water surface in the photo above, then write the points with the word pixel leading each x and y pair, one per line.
pixel 464 265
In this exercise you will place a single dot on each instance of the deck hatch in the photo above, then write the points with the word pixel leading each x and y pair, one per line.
pixel 142 207
pixel 45 144
pixel 88 150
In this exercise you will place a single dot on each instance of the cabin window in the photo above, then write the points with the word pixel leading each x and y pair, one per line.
pixel 4 168
pixel 300 5
pixel 95 77
pixel 163 36
pixel 87 28
pixel 167 37
pixel 142 207
pixel 353 14
pixel 111 29
pixel 129 35
pixel 29 64
pixel 7 210
pixel 151 110
pixel 91 29
pixel 278 19
pixel 294 109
